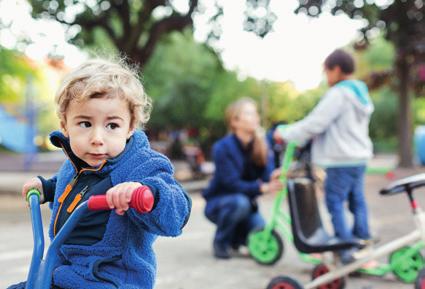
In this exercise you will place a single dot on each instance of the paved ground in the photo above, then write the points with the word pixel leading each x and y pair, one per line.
pixel 186 262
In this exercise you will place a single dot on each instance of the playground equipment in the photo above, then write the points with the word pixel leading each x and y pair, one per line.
pixel 405 259
pixel 15 135
pixel 266 246
pixel 41 270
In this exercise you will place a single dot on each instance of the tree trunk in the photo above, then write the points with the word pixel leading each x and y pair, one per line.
pixel 405 123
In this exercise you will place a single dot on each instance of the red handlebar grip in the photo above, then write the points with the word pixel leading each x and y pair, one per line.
pixel 142 201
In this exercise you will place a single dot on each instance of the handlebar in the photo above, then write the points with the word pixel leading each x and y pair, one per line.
pixel 142 201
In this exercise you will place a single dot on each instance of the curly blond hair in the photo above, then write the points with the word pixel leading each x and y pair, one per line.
pixel 101 78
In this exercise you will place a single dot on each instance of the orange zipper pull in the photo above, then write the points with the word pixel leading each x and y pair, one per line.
pixel 76 200
pixel 65 193
pixel 74 203
pixel 68 189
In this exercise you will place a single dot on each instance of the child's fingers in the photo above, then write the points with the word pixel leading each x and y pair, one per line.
pixel 116 198
pixel 119 197
pixel 25 188
pixel 123 203
pixel 109 200
pixel 24 191
pixel 119 212
pixel 34 183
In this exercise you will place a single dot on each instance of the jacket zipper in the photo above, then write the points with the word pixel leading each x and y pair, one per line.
pixel 62 198
pixel 77 200
pixel 68 189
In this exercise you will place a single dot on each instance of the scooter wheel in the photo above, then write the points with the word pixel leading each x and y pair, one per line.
pixel 284 282
pixel 420 280
pixel 322 269
pixel 406 268
pixel 266 248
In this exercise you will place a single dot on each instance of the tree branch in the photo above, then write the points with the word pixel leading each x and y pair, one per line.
pixel 172 23
pixel 175 22
pixel 143 18
pixel 123 9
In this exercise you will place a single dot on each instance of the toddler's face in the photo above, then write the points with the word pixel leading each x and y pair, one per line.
pixel 97 128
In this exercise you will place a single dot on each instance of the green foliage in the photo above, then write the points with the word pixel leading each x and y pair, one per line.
pixel 14 72
pixel 379 56
pixel 382 124
pixel 180 78
pixel 19 76
pixel 228 88
pixel 304 103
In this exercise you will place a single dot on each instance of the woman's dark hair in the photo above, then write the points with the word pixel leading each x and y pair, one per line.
pixel 342 59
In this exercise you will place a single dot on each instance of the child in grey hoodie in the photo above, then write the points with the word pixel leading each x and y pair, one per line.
pixel 339 128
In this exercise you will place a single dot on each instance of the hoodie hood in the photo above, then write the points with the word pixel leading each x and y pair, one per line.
pixel 358 93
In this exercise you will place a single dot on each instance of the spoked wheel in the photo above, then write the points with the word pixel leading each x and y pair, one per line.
pixel 265 247
pixel 420 280
pixel 284 282
pixel 406 268
pixel 322 269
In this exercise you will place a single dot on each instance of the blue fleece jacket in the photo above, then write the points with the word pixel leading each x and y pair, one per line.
pixel 124 257
pixel 235 172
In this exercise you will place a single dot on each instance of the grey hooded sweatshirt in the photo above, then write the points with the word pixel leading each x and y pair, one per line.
pixel 338 126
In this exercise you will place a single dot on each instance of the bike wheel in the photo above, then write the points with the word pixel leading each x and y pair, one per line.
pixel 266 248
pixel 406 268
pixel 284 282
pixel 322 269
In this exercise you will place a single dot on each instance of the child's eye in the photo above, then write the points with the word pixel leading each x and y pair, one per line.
pixel 112 125
pixel 84 124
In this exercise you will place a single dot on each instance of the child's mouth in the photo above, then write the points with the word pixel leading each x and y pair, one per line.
pixel 98 156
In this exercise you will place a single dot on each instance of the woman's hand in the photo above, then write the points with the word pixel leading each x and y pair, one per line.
pixel 33 183
pixel 273 186
pixel 119 196
pixel 275 174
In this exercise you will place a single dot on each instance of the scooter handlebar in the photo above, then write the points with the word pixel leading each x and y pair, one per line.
pixel 142 201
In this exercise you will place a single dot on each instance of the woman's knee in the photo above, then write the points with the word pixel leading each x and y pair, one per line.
pixel 241 205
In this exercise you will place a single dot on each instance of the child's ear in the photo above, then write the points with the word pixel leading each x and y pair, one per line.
pixel 63 128
pixel 130 132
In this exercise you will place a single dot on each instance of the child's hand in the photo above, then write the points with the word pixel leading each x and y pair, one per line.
pixel 34 183
pixel 119 197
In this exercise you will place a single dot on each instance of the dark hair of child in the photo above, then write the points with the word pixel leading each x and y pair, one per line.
pixel 342 59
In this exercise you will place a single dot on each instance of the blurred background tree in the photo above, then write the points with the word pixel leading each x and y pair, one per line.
pixel 133 27
pixel 191 89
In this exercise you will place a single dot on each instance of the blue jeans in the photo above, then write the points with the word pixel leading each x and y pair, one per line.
pixel 347 184
pixel 235 217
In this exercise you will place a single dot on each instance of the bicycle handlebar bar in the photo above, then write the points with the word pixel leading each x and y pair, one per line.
pixel 142 200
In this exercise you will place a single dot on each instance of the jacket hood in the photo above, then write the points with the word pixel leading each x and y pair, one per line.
pixel 137 140
pixel 357 92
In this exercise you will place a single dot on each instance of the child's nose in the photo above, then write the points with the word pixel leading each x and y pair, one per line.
pixel 97 137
